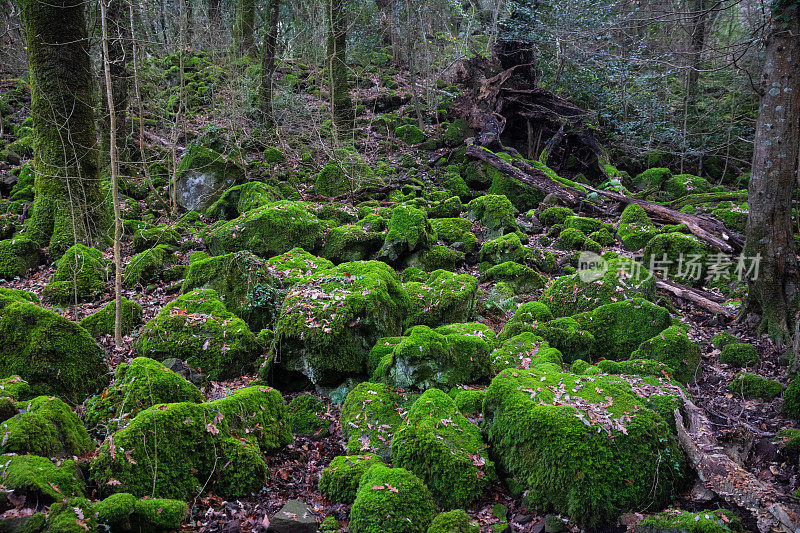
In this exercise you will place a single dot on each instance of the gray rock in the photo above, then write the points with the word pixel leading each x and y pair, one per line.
pixel 294 517
pixel 203 176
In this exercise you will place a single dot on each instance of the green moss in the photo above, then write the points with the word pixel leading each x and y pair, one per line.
pixel 436 258
pixel 509 248
pixel 137 385
pixel 267 231
pixel 568 337
pixel 409 231
pixel 683 184
pixel 75 515
pixel 523 351
pixel 441 297
pixel 555 215
pixel 173 450
pixel 582 446
pixel 454 184
pixel 242 198
pixel 295 266
pixel 525 318
pixel 391 500
pixel 339 480
pixel 652 178
pixel 712 521
pixel 495 213
pixel 351 243
pixel 456 133
pixel 273 155
pixel 635 227
pixel 148 266
pixel 455 521
pixel 17 257
pixel 753 386
pixel 203 176
pixel 522 278
pixel 16 388
pixel 329 525
pixel 721 339
pixel 446 208
pixel 369 417
pixel 522 197
pixel 198 328
pixel 346 171
pixel 734 216
pixel 150 238
pixel 303 413
pixel 331 320
pixel 456 233
pixel 39 477
pixel 739 354
pixel 468 401
pixel 585 224
pixel 680 252
pixel 122 511
pixel 116 510
pixel 571 239
pixel 102 322
pixel 673 348
pixel 44 426
pixel 81 273
pixel 53 354
pixel 638 367
pixel 409 133
pixel 603 237
pixel 791 400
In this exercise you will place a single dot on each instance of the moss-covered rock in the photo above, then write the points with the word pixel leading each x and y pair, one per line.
pixel 495 213
pixel 74 515
pixel 81 273
pixel 331 320
pixel 555 215
pixel 441 358
pixel 304 416
pixel 170 450
pixel 391 500
pixel 39 478
pixel 145 239
pixel 791 400
pixel 524 351
pixel 635 228
pixel 15 388
pixel 733 215
pixel 102 322
pixel 148 266
pixel 652 178
pixel 682 184
pixel 267 231
pixel 444 449
pixel 739 354
pixel 339 480
pixel 441 297
pixel 468 401
pixel 711 521
pixel 525 318
pixel 567 336
pixel 370 414
pixel 123 512
pixel 509 248
pixel 295 265
pixel 682 257
pixel 454 184
pixel 673 348
pixel 754 386
pixel 409 231
pixel 204 175
pixel 198 328
pixel 351 243
pixel 522 278
pixel 448 208
pixel 581 446
pixel 409 133
pixel 44 426
pixel 137 385
pixel 522 197
pixel 54 355
pixel 17 257
pixel 719 340
pixel 455 521
pixel 242 198
pixel 346 171
pixel 456 233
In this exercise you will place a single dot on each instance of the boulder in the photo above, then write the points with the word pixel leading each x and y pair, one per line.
pixel 203 176
pixel 294 517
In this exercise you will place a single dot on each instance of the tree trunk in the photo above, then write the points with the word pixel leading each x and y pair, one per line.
pixel 118 38
pixel 696 49
pixel 770 233
pixel 268 60
pixel 341 107
pixel 245 23
pixel 70 205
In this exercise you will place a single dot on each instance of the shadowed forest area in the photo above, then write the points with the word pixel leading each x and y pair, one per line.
pixel 435 266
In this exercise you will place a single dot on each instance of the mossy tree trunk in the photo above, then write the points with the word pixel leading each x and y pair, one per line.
pixel 268 60
pixel 245 24
pixel 341 106
pixel 70 204
pixel 119 37
pixel 770 232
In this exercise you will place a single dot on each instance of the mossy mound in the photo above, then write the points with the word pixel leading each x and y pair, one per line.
pixel 567 336
pixel 522 197
pixel 581 446
pixel 714 521
pixel 369 417
pixel 635 228
pixel 525 350
pixel 652 178
pixel 170 450
pixel 123 512
pixel 409 231
pixel 791 400
pixel 39 478
pixel 304 416
pixel 754 386
pixel 521 278
pixel 346 171
pixel 681 257
pixel 242 198
pixel 441 358
pixel 443 297
pixel 673 348
pixel 331 320
pixel 295 266
pixel 148 266
pixel 455 521
pixel 509 248
pixel 456 233
pixel 468 401
pixel 444 449
pixel 723 338
pixel 555 215
pixel 44 426
pixel 525 319
pixel 102 322
pixel 137 385
pixel 204 175
pixel 267 231
pixel 74 515
pixel 54 355
pixel 623 279
pixel 680 185
pixel 197 328
pixel 17 256
pixel 243 282
pixel 739 354
pixel 391 500
pixel 81 273
pixel 144 239
pixel 351 243
pixel 409 133
pixel 448 208
pixel 339 480
pixel 495 213
pixel 15 388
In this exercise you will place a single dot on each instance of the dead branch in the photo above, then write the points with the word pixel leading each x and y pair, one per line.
pixel 702 299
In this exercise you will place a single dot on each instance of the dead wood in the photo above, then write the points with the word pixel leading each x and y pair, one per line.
pixel 706 300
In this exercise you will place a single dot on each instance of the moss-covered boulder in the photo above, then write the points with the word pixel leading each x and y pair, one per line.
pixel 441 358
pixel 267 231
pixel 581 446
pixel 242 198
pixel 673 348
pixel 509 248
pixel 740 354
pixel 17 257
pixel 567 336
pixel 197 328
pixel 409 133
pixel 145 239
pixel 331 319
pixel 295 265
pixel 635 228
pixel 305 416
pixel 525 319
pixel 448 208
pixel 102 322
pixel 652 178
pixel 441 297
pixel 170 450
pixel 40 479
pixel 522 197
pixel 346 171
pixel 681 257
pixel 622 279
pixel 54 355
pixel 495 213
pixel 44 426
pixel 754 386
pixel 444 449
pixel 409 231
pixel 351 242
pixel 709 521
pixel 455 521
pixel 524 351
pixel 456 233
pixel 521 278
pixel 15 388
pixel 682 184
pixel 370 414
pixel 204 175
pixel 556 214
pixel 81 273
pixel 391 500
pixel 339 480
pixel 148 266
pixel 137 385
pixel 733 215
pixel 123 512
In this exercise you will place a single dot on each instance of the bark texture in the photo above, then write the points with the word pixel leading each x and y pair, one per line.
pixel 341 106
pixel 268 60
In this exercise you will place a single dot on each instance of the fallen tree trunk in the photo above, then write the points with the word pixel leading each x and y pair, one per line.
pixel 702 299
pixel 708 230
pixel 773 510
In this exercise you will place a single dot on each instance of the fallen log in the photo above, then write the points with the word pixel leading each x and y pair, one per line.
pixel 702 299
pixel 772 509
